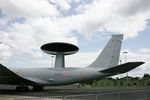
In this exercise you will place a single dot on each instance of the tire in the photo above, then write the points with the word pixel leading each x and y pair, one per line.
pixel 22 88
pixel 37 88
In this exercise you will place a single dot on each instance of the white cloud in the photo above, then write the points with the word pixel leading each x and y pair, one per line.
pixel 29 36
pixel 62 4
pixel 81 59
pixel 130 8
pixel 145 50
pixel 3 21
pixel 20 62
pixel 5 53
pixel 32 8
pixel 109 15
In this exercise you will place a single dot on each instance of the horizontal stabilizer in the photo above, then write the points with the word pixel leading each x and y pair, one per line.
pixel 122 68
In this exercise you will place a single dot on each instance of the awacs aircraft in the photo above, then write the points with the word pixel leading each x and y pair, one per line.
pixel 105 65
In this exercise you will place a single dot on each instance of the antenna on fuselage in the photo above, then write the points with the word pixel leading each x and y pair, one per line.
pixel 60 50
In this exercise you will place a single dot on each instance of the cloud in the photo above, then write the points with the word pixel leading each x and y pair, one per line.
pixel 145 50
pixel 23 8
pixel 76 60
pixel 27 37
pixel 110 15
pixel 5 53
pixel 133 7
pixel 62 5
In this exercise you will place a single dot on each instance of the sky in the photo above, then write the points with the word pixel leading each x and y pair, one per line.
pixel 25 25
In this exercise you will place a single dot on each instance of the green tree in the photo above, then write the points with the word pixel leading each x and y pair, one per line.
pixel 146 75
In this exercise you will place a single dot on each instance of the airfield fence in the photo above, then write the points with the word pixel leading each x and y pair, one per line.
pixel 126 95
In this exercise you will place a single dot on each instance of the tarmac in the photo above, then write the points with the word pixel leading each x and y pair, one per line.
pixel 9 93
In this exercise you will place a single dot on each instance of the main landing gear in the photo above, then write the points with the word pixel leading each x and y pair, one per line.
pixel 37 88
pixel 22 88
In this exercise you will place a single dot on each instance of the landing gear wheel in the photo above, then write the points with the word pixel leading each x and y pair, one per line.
pixel 22 88
pixel 37 88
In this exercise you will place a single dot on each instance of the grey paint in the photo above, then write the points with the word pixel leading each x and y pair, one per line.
pixel 109 56
pixel 59 62
pixel 63 76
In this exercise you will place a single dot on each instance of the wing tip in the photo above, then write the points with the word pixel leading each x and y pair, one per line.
pixel 137 62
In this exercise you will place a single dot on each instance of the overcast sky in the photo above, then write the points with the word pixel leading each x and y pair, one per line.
pixel 25 25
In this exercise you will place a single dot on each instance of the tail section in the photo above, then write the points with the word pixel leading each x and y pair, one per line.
pixel 109 56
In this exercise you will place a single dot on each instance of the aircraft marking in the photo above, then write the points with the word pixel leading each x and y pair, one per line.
pixel 108 51
pixel 65 74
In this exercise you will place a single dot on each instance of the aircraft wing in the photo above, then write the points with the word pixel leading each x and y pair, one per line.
pixel 9 77
pixel 122 68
